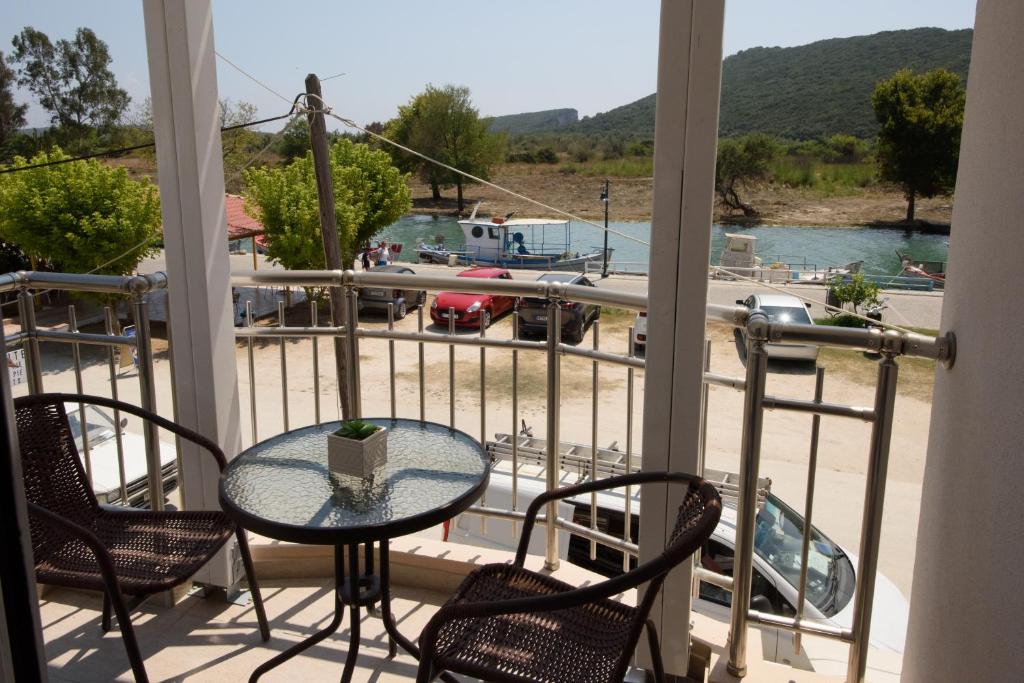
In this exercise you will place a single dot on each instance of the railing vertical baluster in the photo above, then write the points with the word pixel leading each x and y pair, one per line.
pixel 750 456
pixel 514 434
pixel 451 369
pixel 314 321
pixel 483 407
pixel 551 559
pixel 147 392
pixel 27 313
pixel 108 316
pixel 391 358
pixel 83 423
pixel 704 398
pixel 871 525
pixel 422 365
pixel 812 472
pixel 252 371
pixel 593 437
pixel 284 365
pixel 627 527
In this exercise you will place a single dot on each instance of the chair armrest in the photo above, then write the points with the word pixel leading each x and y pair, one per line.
pixel 599 485
pixel 163 422
pixel 91 541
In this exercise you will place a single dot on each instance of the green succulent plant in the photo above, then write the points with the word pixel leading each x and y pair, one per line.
pixel 356 429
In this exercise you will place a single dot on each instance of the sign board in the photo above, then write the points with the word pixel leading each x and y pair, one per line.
pixel 16 367
pixel 129 355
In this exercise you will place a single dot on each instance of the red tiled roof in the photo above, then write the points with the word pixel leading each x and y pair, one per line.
pixel 240 224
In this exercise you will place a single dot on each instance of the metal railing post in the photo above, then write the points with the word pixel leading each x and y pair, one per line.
pixel 252 372
pixel 147 390
pixel 553 423
pixel 750 456
pixel 27 313
pixel 76 362
pixel 874 499
pixel 812 474
pixel 282 347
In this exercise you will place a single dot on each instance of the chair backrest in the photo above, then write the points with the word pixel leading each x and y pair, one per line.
pixel 696 520
pixel 54 476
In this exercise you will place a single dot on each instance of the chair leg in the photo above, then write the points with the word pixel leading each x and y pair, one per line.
pixel 127 634
pixel 426 672
pixel 250 575
pixel 105 621
pixel 652 641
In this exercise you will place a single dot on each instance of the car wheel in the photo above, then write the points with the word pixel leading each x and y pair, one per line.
pixel 485 319
pixel 401 310
pixel 577 337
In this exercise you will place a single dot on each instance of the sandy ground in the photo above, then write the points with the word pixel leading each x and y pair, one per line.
pixel 632 200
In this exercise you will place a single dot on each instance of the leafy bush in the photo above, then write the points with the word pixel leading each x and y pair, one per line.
pixel 356 429
pixel 79 217
pixel 842 320
pixel 854 290
pixel 546 155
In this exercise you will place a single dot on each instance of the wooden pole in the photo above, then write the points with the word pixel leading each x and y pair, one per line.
pixel 329 231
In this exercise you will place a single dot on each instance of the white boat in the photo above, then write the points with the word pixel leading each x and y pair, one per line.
pixel 518 243
pixel 740 260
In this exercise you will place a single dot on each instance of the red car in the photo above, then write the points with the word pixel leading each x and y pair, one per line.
pixel 475 310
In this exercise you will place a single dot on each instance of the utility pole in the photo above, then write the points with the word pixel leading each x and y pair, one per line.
pixel 604 198
pixel 329 231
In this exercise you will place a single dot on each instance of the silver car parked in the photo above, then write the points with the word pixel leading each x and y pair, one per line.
pixel 783 308
pixel 377 299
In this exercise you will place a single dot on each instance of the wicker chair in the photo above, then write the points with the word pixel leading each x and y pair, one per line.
pixel 123 552
pixel 506 623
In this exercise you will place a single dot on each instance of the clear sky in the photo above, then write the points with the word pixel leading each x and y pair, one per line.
pixel 515 56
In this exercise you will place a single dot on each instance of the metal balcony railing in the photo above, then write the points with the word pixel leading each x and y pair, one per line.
pixel 135 290
pixel 759 331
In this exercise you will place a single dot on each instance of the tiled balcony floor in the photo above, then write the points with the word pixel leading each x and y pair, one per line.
pixel 210 640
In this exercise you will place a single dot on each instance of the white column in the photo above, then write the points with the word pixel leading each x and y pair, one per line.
pixel 967 606
pixel 183 81
pixel 686 132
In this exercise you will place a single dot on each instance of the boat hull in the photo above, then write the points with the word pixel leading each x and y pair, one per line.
pixel 531 262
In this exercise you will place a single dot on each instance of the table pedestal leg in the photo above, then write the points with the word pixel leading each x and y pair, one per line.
pixel 339 610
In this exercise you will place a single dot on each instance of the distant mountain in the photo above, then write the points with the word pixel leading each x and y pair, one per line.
pixel 807 91
pixel 534 121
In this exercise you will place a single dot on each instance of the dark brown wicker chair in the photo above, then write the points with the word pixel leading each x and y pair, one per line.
pixel 506 623
pixel 123 552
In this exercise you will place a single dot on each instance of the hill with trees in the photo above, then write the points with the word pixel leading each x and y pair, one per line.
pixel 806 92
pixel 534 121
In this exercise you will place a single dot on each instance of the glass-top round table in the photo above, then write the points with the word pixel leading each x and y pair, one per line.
pixel 282 488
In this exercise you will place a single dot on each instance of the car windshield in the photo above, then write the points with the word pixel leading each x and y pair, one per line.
pixel 788 314
pixel 99 424
pixel 778 538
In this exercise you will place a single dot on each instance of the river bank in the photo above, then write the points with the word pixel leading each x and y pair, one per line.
pixel 631 200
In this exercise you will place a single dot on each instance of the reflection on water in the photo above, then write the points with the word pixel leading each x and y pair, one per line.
pixel 818 246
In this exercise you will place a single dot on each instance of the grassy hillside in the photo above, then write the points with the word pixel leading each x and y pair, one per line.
pixel 534 121
pixel 804 92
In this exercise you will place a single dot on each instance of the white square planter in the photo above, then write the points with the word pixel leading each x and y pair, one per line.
pixel 357 458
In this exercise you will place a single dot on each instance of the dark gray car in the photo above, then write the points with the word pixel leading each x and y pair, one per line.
pixel 377 299
pixel 576 316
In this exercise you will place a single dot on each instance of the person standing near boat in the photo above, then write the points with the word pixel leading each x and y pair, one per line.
pixel 383 255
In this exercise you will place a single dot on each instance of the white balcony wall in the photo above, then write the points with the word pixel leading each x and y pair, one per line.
pixel 966 603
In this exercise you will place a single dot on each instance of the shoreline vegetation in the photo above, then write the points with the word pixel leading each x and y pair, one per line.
pixel 632 200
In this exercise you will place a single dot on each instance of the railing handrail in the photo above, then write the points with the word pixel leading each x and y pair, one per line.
pixel 891 341
pixel 83 282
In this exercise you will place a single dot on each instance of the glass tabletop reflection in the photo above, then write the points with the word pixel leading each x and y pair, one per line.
pixel 282 487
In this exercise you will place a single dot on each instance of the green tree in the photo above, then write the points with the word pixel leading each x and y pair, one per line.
pixel 79 217
pixel 237 145
pixel 369 195
pixel 742 160
pixel 71 78
pixel 294 140
pixel 12 115
pixel 443 124
pixel 920 118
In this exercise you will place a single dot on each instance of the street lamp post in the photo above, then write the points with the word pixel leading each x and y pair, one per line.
pixel 604 198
